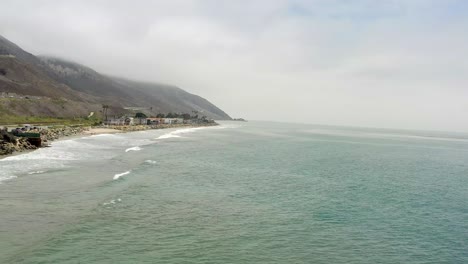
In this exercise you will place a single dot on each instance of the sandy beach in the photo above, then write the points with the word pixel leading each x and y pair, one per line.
pixel 97 131
pixel 70 132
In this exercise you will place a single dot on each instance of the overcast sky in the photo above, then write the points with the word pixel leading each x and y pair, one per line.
pixel 375 63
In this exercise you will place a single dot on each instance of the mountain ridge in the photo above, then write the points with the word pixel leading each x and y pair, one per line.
pixel 54 77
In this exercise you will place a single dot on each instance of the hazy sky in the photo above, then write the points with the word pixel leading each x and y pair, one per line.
pixel 377 63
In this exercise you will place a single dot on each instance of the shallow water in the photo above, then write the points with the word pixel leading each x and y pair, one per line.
pixel 239 193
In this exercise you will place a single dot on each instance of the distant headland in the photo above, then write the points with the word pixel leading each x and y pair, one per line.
pixel 239 119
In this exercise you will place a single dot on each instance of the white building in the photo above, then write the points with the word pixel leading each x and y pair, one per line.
pixel 173 120
pixel 122 121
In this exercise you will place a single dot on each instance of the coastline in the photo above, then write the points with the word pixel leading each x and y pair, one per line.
pixel 67 132
pixel 100 130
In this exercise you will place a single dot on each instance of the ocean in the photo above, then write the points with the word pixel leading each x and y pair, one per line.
pixel 241 192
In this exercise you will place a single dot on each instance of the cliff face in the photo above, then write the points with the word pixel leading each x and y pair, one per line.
pixel 62 88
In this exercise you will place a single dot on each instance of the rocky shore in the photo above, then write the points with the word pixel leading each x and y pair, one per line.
pixel 10 143
pixel 51 134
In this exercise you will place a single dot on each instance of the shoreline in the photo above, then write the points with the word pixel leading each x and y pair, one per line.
pixel 68 132
pixel 100 130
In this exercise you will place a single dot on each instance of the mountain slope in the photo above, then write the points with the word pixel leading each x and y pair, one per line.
pixel 166 98
pixel 9 48
pixel 27 90
pixel 25 74
pixel 27 79
pixel 125 93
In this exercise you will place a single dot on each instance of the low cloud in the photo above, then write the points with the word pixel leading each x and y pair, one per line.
pixel 393 63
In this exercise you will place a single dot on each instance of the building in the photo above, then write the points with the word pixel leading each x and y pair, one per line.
pixel 114 122
pixel 154 121
pixel 129 121
pixel 140 121
pixel 121 121
pixel 173 120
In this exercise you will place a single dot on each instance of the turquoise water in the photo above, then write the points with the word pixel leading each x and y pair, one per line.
pixel 239 193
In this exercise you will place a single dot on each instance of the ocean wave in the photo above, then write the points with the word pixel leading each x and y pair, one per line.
pixel 169 135
pixel 6 178
pixel 150 161
pixel 100 135
pixel 63 150
pixel 177 133
pixel 45 154
pixel 117 176
pixel 112 201
pixel 226 127
pixel 380 134
pixel 133 149
pixel 36 172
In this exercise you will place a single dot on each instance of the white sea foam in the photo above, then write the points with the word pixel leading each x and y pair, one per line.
pixel 133 149
pixel 114 201
pixel 150 161
pixel 111 202
pixel 66 153
pixel 225 126
pixel 117 176
pixel 100 136
pixel 36 172
pixel 64 150
pixel 169 135
pixel 177 133
pixel 6 178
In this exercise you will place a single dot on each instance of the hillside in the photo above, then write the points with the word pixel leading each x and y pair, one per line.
pixel 9 48
pixel 53 87
pixel 126 93
pixel 26 90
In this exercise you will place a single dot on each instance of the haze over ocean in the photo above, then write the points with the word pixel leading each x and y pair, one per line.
pixel 253 192
pixel 394 64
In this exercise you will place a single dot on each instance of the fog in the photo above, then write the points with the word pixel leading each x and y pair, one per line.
pixel 395 64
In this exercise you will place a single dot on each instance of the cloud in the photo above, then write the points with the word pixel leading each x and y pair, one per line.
pixel 388 63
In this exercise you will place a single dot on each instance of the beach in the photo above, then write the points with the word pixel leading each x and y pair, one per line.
pixel 21 145
pixel 98 131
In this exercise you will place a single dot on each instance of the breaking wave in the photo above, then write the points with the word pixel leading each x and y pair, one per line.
pixel 117 176
pixel 133 149
pixel 112 201
pixel 36 172
pixel 7 178
pixel 100 135
pixel 177 133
